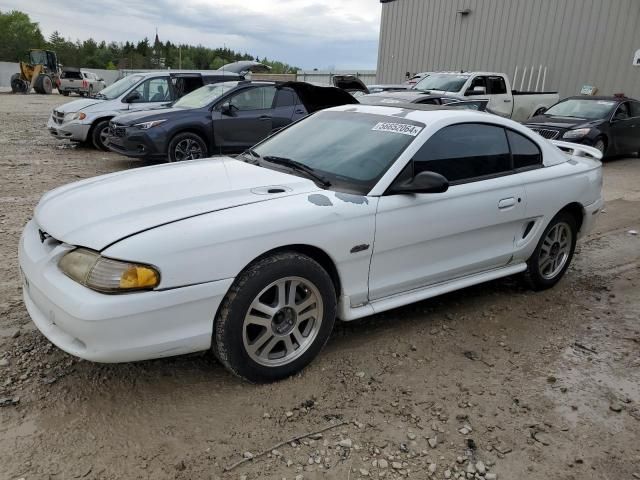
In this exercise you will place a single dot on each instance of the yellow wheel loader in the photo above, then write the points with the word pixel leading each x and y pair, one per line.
pixel 42 73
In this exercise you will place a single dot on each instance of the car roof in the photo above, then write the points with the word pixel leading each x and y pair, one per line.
pixel 166 73
pixel 412 111
pixel 610 98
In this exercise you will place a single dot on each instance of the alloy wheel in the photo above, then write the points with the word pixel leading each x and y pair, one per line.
pixel 555 250
pixel 188 149
pixel 282 321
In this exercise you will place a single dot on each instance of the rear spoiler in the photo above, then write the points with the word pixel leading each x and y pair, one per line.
pixel 577 150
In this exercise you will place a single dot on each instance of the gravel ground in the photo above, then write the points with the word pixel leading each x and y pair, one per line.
pixel 495 381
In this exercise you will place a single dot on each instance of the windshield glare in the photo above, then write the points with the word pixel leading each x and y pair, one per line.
pixel 353 150
pixel 116 89
pixel 447 83
pixel 587 108
pixel 203 96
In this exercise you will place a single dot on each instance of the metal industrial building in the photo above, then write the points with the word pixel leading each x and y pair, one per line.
pixel 577 42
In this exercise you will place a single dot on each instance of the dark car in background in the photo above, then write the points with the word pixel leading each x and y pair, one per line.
pixel 610 124
pixel 390 98
pixel 226 117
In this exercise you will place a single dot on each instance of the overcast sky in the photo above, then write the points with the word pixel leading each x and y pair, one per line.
pixel 306 33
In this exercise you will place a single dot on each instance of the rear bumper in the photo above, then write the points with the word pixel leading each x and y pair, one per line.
pixel 113 328
pixel 75 131
pixel 591 213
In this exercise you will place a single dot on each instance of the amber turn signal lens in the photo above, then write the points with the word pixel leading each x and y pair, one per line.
pixel 139 277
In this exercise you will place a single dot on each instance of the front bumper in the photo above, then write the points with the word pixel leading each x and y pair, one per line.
pixel 73 130
pixel 113 328
pixel 136 143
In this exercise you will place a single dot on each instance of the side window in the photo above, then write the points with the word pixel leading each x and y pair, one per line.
pixel 285 98
pixel 622 113
pixel 526 154
pixel 635 109
pixel 429 101
pixel 154 90
pixel 496 86
pixel 465 152
pixel 259 98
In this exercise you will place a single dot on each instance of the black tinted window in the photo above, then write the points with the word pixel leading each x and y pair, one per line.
pixel 496 85
pixel 525 152
pixel 465 152
pixel 285 98
pixel 635 109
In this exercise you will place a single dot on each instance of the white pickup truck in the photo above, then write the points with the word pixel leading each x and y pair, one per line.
pixel 493 86
pixel 74 80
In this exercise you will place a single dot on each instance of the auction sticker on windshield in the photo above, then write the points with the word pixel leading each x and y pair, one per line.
pixel 403 128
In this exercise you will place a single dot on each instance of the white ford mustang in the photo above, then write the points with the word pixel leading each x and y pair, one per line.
pixel 351 211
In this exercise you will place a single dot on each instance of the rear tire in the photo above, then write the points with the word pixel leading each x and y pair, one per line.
pixel 553 254
pixel 99 134
pixel 43 84
pixel 65 93
pixel 276 317
pixel 186 146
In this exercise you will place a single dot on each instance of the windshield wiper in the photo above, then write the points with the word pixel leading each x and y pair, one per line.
pixel 99 95
pixel 300 167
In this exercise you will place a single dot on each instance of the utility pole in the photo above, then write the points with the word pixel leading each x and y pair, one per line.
pixel 180 57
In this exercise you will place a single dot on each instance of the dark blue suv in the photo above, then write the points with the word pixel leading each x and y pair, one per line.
pixel 226 117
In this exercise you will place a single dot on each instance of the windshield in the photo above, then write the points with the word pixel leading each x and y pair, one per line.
pixel 579 108
pixel 446 83
pixel 118 88
pixel 352 150
pixel 203 96
pixel 38 57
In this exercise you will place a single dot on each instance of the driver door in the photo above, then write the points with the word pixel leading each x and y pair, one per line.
pixel 624 130
pixel 425 239
pixel 243 119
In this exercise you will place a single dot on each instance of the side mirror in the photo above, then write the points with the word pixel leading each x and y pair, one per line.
pixel 477 90
pixel 227 108
pixel 424 182
pixel 101 79
pixel 132 97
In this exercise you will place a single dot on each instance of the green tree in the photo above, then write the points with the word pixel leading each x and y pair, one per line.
pixel 18 34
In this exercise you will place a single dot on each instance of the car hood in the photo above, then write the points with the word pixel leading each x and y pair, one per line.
pixel 561 122
pixel 137 116
pixel 97 212
pixel 78 105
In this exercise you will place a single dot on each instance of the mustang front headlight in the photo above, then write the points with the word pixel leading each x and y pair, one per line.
pixel 102 274
pixel 148 125
pixel 74 116
pixel 577 133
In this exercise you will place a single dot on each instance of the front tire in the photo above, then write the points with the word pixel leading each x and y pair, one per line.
pixel 553 254
pixel 601 144
pixel 187 146
pixel 276 318
pixel 99 135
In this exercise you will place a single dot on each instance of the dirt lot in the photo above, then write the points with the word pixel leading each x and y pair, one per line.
pixel 494 379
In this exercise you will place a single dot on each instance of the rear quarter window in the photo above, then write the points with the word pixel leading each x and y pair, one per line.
pixel 526 153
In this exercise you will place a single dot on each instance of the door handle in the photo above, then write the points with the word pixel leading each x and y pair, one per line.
pixel 506 100
pixel 299 111
pixel 264 117
pixel 506 203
